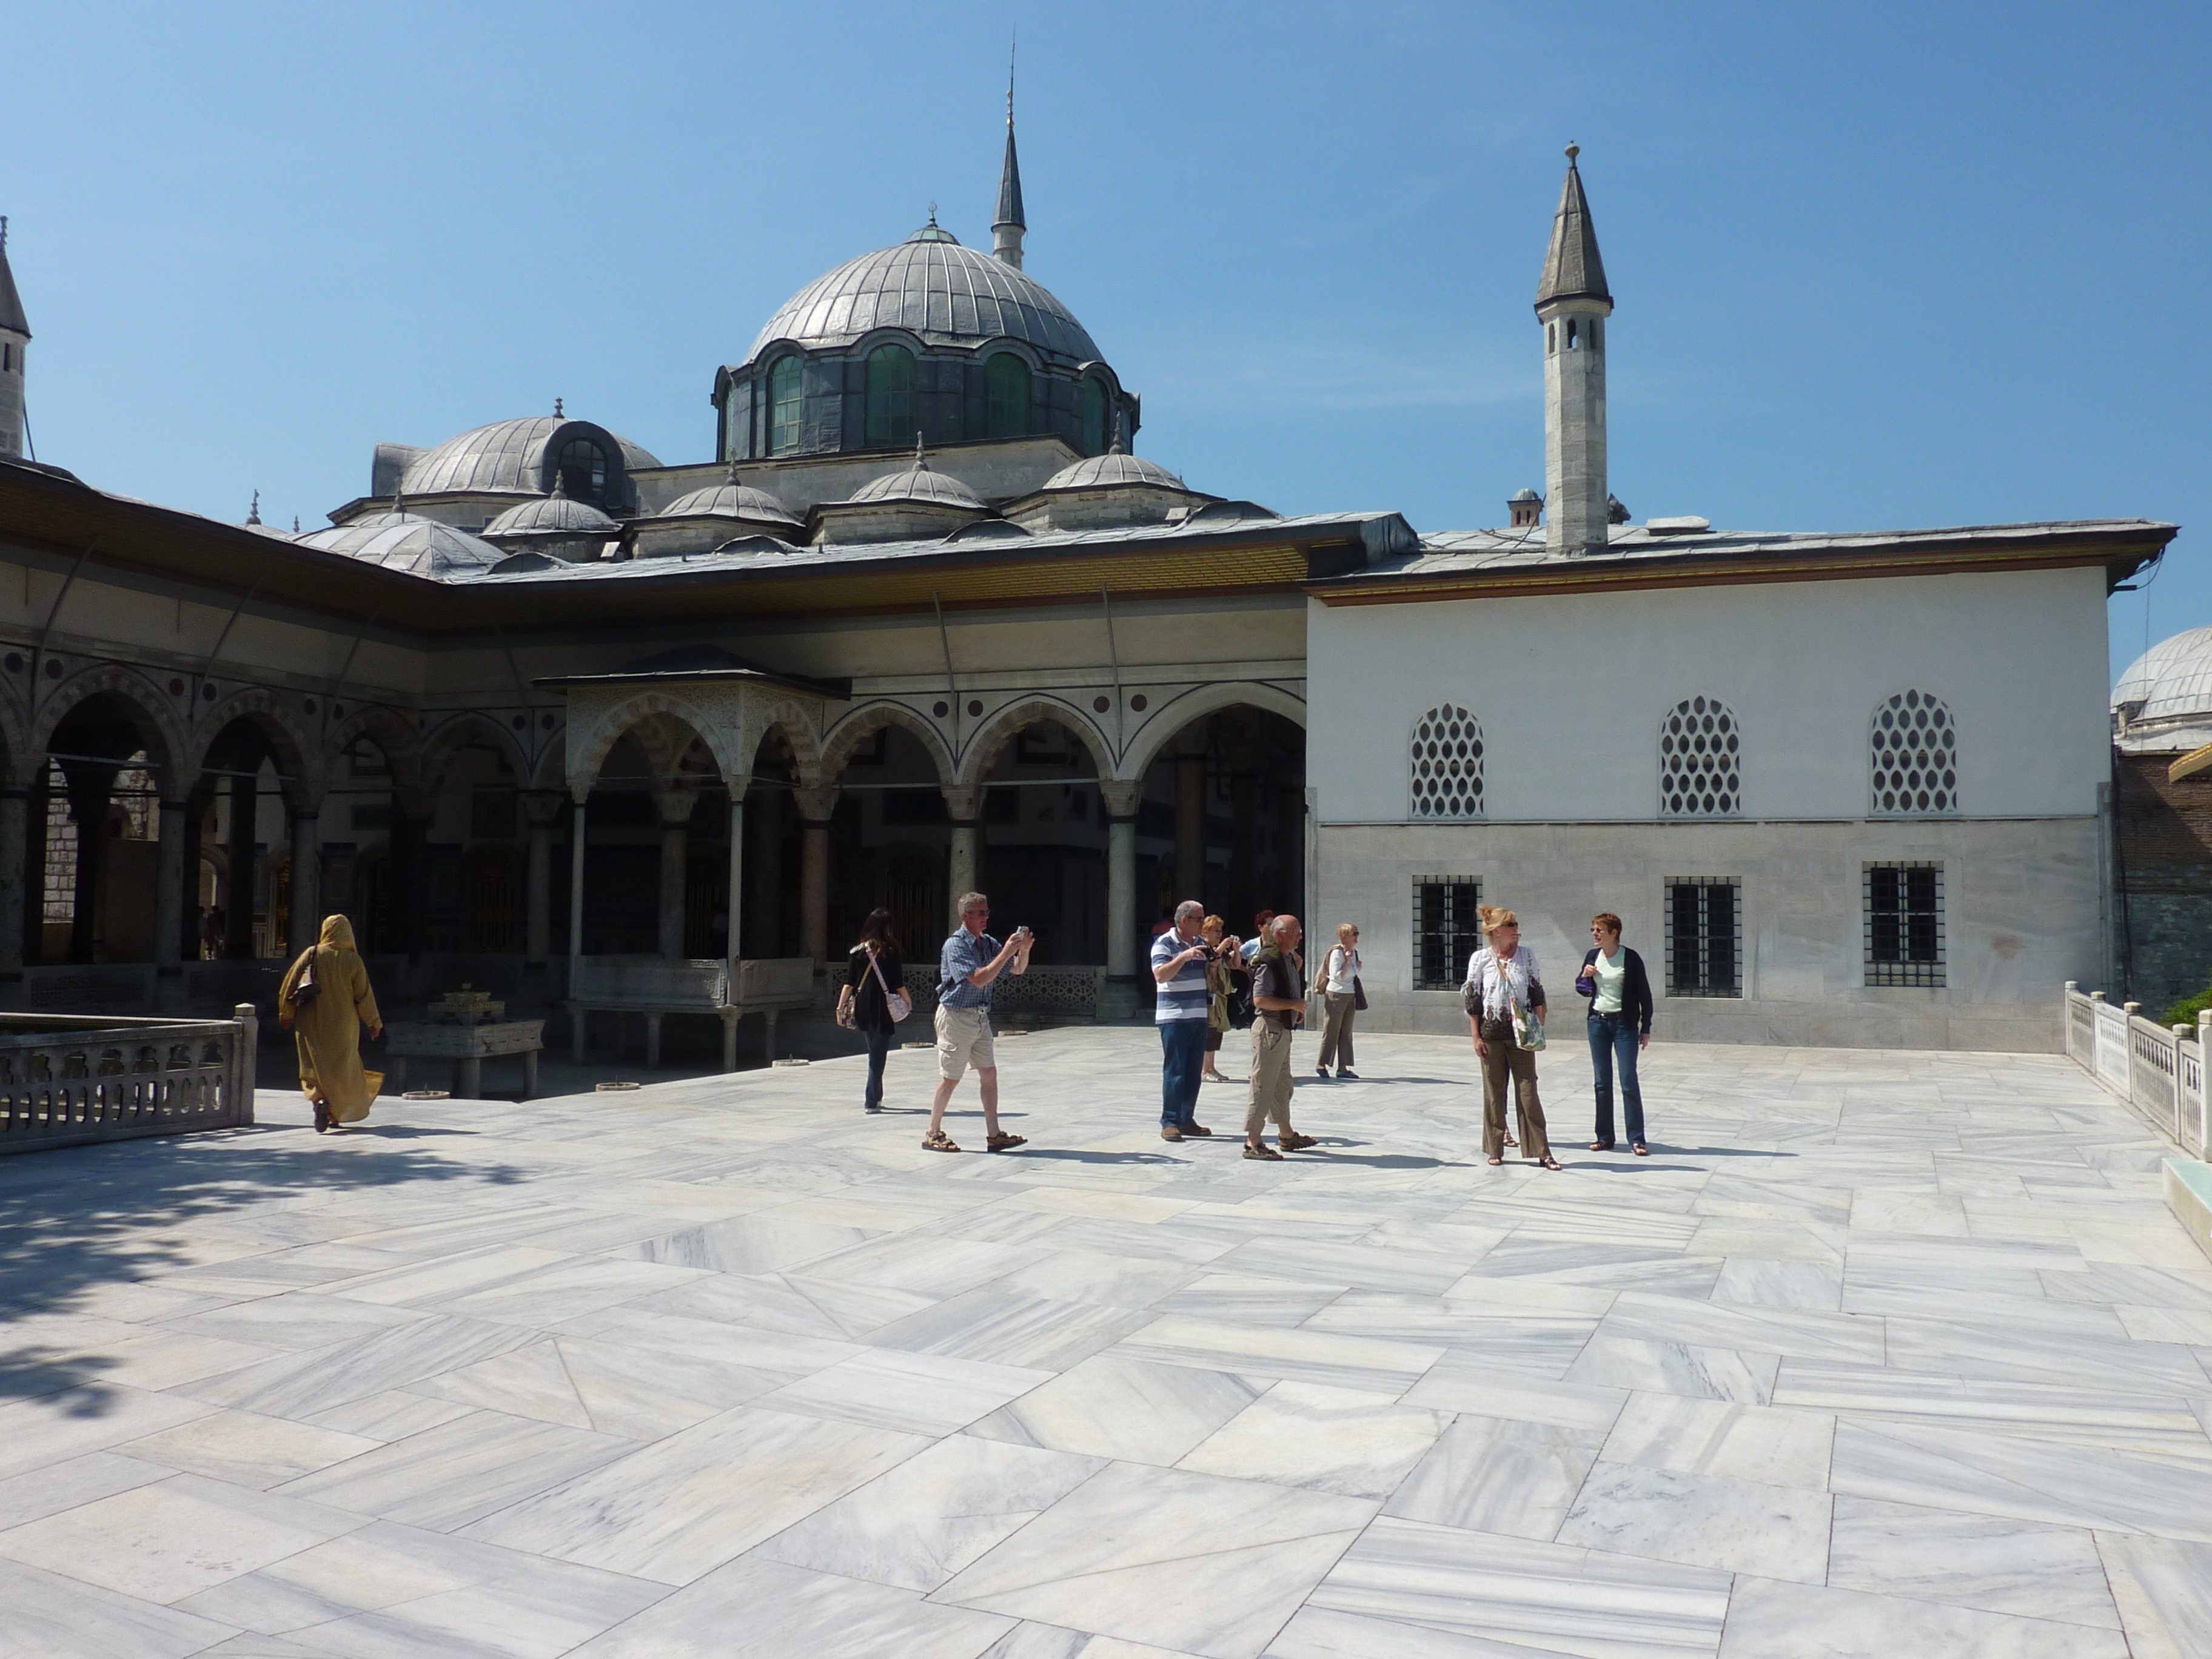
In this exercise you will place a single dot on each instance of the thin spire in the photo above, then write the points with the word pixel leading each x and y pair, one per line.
pixel 920 455
pixel 253 513
pixel 558 413
pixel 1572 270
pixel 1009 228
pixel 11 303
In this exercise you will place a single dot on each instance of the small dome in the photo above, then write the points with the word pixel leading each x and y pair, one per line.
pixel 409 542
pixel 729 500
pixel 919 483
pixel 1523 497
pixel 931 285
pixel 552 515
pixel 2172 680
pixel 506 456
pixel 1104 471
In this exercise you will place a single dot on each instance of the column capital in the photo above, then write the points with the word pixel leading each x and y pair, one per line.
pixel 962 803
pixel 543 807
pixel 674 802
pixel 1121 796
pixel 816 806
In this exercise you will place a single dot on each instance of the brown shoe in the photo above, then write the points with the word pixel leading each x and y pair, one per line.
pixel 1004 1143
pixel 1168 1132
pixel 938 1141
pixel 1199 1129
pixel 1268 1152
pixel 1291 1141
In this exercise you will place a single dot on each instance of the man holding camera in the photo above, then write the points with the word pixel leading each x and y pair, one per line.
pixel 1179 959
pixel 1278 994
pixel 971 959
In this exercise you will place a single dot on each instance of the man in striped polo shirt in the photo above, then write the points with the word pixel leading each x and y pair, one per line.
pixel 1179 959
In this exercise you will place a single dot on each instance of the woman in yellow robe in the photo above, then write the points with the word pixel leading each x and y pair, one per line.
pixel 328 1025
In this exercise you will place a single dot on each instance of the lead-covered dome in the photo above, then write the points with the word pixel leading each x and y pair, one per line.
pixel 408 542
pixel 523 458
pixel 919 483
pixel 551 515
pixel 2173 680
pixel 1111 470
pixel 932 286
pixel 730 501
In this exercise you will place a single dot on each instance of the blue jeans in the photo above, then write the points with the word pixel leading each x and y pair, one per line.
pixel 1614 1036
pixel 1183 1051
pixel 880 1047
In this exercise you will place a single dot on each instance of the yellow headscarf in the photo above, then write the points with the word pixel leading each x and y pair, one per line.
pixel 338 934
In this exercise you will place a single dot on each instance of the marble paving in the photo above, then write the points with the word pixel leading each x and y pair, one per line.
pixel 1879 1354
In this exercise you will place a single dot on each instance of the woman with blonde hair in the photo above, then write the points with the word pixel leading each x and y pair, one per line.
pixel 1503 979
pixel 1337 981
pixel 324 999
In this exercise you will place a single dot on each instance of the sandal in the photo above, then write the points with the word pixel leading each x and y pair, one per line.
pixel 1642 1151
pixel 1003 1143
pixel 1600 1146
pixel 1212 1077
pixel 1510 1141
pixel 1498 1160
pixel 938 1141
pixel 1266 1152
pixel 1549 1163
pixel 1292 1141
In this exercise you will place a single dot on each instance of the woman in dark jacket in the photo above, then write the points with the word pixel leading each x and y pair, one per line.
pixel 874 967
pixel 1619 1027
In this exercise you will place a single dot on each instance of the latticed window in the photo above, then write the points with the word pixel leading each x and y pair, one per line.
pixel 1447 928
pixel 891 396
pixel 584 471
pixel 1701 761
pixel 1704 936
pixel 1904 909
pixel 1006 384
pixel 1916 755
pixel 785 383
pixel 1446 762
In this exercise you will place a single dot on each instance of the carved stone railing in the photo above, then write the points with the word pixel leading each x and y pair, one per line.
pixel 68 1080
pixel 656 988
pixel 2157 1069
pixel 1057 992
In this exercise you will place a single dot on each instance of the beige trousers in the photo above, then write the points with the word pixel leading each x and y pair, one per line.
pixel 1271 1078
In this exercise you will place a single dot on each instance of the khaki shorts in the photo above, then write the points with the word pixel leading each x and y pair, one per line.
pixel 963 1039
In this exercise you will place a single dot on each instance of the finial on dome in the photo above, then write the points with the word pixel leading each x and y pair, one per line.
pixel 1114 448
pixel 558 413
pixel 560 490
pixel 253 513
pixel 399 502
pixel 295 524
pixel 920 455
pixel 733 471
pixel 1573 150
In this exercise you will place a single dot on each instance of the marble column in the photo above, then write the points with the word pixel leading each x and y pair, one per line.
pixel 1120 800
pixel 1190 817
pixel 15 849
pixel 171 872
pixel 675 814
pixel 238 889
pixel 576 888
pixel 88 796
pixel 307 877
pixel 736 942
pixel 964 870
pixel 544 807
pixel 814 808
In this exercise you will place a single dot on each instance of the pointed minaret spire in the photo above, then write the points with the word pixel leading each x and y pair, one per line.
pixel 253 513
pixel 1009 228
pixel 1573 303
pixel 14 335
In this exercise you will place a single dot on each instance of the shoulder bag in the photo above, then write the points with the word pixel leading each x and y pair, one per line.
pixel 898 1004
pixel 306 987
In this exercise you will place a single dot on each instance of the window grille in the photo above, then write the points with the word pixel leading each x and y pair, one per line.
pixel 1904 909
pixel 1705 936
pixel 1445 765
pixel 1447 929
pixel 1701 761
pixel 785 399
pixel 584 471
pixel 1094 415
pixel 891 397
pixel 1916 757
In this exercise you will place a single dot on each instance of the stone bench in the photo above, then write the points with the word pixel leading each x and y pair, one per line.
pixel 656 988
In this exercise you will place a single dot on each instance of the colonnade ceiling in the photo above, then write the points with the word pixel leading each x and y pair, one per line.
pixel 731 720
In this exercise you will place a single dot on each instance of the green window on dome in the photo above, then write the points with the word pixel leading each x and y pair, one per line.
pixel 891 413
pixel 583 470
pixel 1094 417
pixel 1006 379
pixel 783 404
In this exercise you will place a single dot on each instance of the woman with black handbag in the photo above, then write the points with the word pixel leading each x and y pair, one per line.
pixel 874 998
pixel 1337 981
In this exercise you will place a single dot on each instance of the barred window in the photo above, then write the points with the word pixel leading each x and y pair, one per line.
pixel 1916 755
pixel 1904 924
pixel 786 403
pixel 1701 761
pixel 1446 929
pixel 1445 765
pixel 1705 936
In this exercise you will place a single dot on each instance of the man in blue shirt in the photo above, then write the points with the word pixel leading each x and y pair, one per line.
pixel 1179 960
pixel 970 960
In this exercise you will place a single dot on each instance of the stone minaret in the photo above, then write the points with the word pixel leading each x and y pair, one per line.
pixel 1008 228
pixel 1572 304
pixel 14 335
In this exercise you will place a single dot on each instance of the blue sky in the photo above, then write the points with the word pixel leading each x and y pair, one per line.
pixel 1875 265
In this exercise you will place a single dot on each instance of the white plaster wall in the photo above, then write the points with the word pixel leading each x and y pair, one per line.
pixel 1571 691
pixel 2021 902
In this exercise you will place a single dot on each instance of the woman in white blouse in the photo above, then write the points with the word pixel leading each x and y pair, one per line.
pixel 1340 989
pixel 1501 975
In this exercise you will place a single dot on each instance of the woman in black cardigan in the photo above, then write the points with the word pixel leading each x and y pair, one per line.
pixel 1619 1027
pixel 874 967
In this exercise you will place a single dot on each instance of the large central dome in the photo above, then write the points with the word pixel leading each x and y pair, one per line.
pixel 930 284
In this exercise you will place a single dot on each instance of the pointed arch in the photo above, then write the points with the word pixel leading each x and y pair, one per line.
pixel 985 747
pixel 589 747
pixel 298 754
pixel 160 731
pixel 797 726
pixel 397 737
pixel 1168 716
pixel 469 728
pixel 864 722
